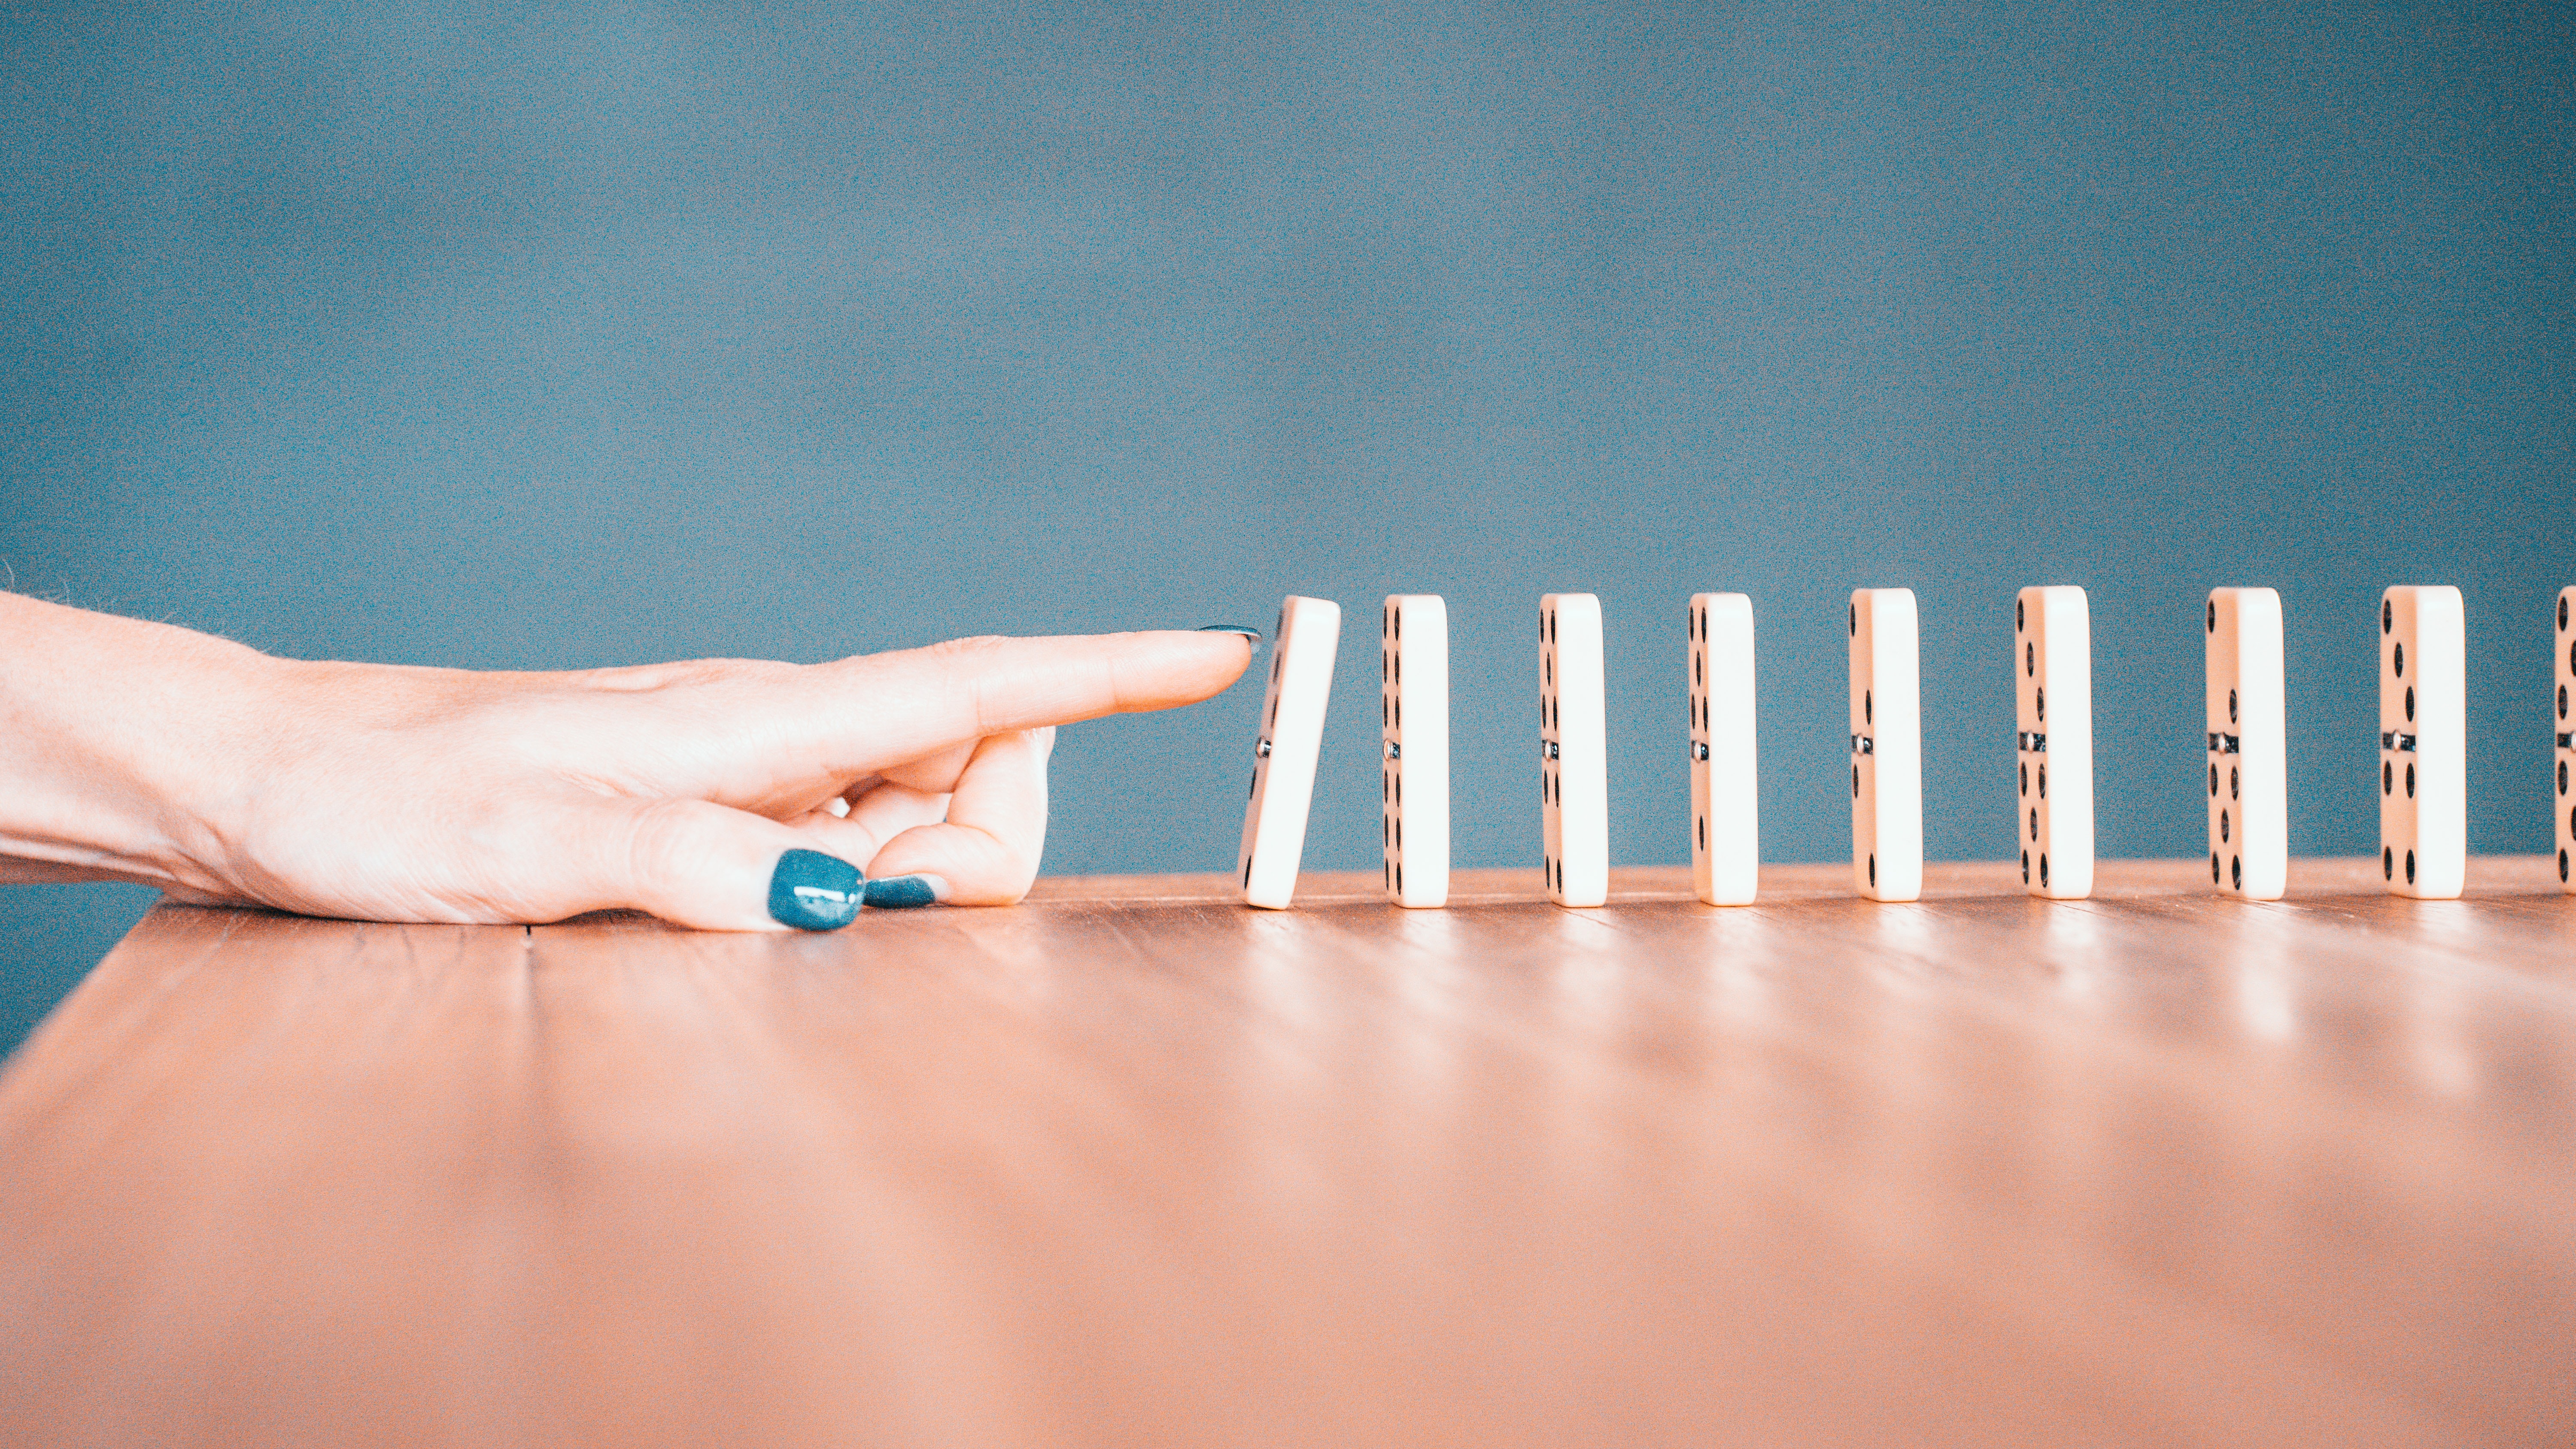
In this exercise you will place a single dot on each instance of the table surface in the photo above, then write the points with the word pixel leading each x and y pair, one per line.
pixel 1133 1165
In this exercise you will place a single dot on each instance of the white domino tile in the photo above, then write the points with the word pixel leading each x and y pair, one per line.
pixel 1886 745
pixel 2423 741
pixel 1413 720
pixel 2053 740
pixel 2249 775
pixel 1291 739
pixel 1574 773
pixel 2562 805
pixel 1726 834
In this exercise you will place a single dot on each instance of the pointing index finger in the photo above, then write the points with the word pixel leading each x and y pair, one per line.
pixel 897 706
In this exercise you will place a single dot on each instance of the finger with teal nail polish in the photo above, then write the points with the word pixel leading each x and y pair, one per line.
pixel 904 892
pixel 812 891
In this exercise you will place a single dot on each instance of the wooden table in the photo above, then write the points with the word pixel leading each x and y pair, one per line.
pixel 1131 1165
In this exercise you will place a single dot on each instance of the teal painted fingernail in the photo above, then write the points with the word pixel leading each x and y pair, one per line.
pixel 815 892
pixel 1246 630
pixel 902 892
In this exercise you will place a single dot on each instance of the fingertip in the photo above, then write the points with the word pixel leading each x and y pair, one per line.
pixel 811 891
pixel 709 867
pixel 1219 654
pixel 1165 668
pixel 954 865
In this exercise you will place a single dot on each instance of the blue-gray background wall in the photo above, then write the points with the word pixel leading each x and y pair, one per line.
pixel 550 336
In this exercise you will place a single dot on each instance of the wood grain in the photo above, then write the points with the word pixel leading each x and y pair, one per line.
pixel 1132 1165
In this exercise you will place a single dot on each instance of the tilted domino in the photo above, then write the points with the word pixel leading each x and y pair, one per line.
pixel 1413 719
pixel 2053 740
pixel 2249 775
pixel 1574 773
pixel 2423 741
pixel 2562 806
pixel 1291 739
pixel 1726 836
pixel 1886 745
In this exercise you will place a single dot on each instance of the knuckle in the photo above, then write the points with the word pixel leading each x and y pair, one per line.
pixel 969 650
pixel 968 665
pixel 663 844
pixel 681 674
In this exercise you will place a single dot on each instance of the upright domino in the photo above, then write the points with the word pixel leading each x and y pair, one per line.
pixel 1283 760
pixel 1413 719
pixel 2053 740
pixel 2423 741
pixel 1886 745
pixel 1574 770
pixel 1726 835
pixel 2562 807
pixel 2249 762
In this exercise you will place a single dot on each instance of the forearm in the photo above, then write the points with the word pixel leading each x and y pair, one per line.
pixel 115 736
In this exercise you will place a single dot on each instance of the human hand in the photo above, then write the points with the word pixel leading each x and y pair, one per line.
pixel 695 791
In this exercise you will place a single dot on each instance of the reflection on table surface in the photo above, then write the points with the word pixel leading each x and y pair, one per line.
pixel 1133 1164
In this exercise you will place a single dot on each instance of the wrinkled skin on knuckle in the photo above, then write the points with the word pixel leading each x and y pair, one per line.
pixel 939 690
pixel 961 661
pixel 965 664
pixel 935 773
pixel 679 738
pixel 681 674
pixel 663 844
pixel 971 646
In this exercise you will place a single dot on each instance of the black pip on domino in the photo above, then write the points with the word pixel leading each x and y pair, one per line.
pixel 1573 748
pixel 1886 746
pixel 1413 735
pixel 2053 740
pixel 1726 836
pixel 2423 741
pixel 2249 777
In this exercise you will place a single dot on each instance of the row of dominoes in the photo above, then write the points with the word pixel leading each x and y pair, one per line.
pixel 2423 813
